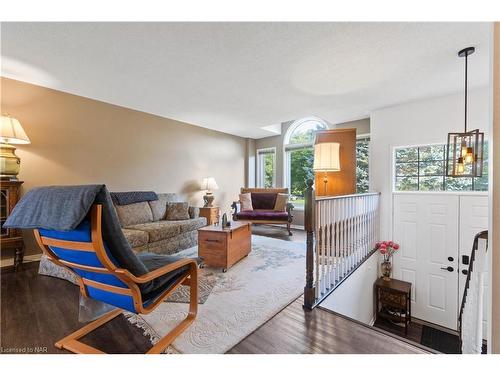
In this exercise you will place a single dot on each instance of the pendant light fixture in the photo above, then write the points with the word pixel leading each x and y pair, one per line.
pixel 464 151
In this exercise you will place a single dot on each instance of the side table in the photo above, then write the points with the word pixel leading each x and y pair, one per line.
pixel 393 301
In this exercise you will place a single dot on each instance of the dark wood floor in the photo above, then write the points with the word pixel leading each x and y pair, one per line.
pixel 38 310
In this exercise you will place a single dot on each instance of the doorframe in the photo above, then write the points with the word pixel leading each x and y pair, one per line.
pixel 393 193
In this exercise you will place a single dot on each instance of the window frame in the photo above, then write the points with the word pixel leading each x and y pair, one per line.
pixel 260 170
pixel 287 147
pixel 418 161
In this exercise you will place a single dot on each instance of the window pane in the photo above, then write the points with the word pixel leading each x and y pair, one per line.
pixel 432 168
pixel 362 171
pixel 406 183
pixel 305 132
pixel 434 183
pixel 458 183
pixel 481 183
pixel 268 170
pixel 434 152
pixel 407 154
pixel 301 164
pixel 407 169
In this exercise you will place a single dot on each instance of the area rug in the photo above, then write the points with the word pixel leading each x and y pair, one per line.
pixel 242 299
pixel 206 283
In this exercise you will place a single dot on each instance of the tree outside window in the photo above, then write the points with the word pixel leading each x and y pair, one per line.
pixel 422 168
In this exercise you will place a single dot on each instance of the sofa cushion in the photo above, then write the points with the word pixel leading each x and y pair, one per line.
pixel 281 201
pixel 190 224
pixel 246 202
pixel 159 207
pixel 158 230
pixel 177 211
pixel 263 201
pixel 135 213
pixel 136 238
pixel 262 215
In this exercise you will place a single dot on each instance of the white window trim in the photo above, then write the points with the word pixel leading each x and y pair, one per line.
pixel 272 150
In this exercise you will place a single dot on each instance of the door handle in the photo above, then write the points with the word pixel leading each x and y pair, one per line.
pixel 449 268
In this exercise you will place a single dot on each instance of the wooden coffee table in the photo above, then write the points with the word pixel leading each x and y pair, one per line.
pixel 218 247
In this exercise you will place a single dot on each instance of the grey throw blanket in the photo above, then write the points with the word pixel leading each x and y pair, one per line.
pixel 64 207
pixel 129 197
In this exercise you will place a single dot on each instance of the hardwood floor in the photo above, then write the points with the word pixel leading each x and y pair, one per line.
pixel 36 311
pixel 297 331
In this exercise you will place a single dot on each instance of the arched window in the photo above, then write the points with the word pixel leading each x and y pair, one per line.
pixel 298 146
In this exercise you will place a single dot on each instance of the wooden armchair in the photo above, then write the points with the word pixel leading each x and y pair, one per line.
pixel 84 252
pixel 264 212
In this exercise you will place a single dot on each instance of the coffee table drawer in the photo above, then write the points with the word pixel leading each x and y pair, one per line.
pixel 211 241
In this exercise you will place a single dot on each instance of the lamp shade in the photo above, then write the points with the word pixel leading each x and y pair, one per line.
pixel 12 132
pixel 209 183
pixel 327 157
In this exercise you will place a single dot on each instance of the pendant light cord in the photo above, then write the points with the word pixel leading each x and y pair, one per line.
pixel 466 56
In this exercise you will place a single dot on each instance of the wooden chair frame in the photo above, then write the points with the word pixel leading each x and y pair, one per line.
pixel 96 245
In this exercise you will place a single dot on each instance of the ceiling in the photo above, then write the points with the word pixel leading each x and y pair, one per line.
pixel 240 77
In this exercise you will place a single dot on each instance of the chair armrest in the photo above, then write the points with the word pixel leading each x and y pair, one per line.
pixel 236 207
pixel 158 272
pixel 194 212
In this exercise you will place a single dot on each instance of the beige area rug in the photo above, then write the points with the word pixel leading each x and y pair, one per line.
pixel 242 299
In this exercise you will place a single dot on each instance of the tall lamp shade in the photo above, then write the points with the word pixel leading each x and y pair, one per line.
pixel 208 184
pixel 11 133
pixel 326 159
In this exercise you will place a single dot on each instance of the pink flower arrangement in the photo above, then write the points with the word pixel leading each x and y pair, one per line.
pixel 387 249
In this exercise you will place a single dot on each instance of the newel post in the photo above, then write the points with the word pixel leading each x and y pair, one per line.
pixel 309 292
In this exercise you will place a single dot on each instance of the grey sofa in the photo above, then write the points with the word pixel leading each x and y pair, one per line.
pixel 146 230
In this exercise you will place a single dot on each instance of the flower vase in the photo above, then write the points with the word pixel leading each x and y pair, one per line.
pixel 386 269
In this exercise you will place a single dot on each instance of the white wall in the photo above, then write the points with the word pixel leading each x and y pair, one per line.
pixel 420 122
pixel 354 297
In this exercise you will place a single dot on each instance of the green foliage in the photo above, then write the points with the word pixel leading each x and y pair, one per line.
pixel 362 170
pixel 301 169
pixel 423 168
pixel 268 170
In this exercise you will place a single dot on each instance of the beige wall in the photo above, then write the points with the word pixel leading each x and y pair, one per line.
pixel 75 140
pixel 495 248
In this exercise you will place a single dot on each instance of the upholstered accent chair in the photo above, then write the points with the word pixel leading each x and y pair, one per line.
pixel 264 210
pixel 78 229
pixel 102 278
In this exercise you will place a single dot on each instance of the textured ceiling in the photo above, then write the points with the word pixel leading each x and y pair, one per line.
pixel 240 77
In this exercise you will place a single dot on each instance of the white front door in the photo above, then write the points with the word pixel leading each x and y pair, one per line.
pixel 426 227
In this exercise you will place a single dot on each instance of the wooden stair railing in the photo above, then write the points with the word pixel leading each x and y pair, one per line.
pixel 472 260
pixel 341 235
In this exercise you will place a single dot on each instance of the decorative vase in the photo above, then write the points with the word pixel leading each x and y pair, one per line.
pixel 386 268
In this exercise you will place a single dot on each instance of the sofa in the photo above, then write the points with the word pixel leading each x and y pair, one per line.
pixel 145 227
pixel 146 230
pixel 264 211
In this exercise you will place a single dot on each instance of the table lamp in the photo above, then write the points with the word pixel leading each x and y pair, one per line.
pixel 11 133
pixel 326 159
pixel 208 184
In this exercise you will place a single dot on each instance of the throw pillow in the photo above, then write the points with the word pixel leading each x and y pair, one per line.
pixel 246 202
pixel 281 201
pixel 177 211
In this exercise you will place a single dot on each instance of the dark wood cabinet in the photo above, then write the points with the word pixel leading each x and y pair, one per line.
pixel 10 239
pixel 393 301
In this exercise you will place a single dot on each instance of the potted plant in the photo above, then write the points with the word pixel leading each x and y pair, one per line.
pixel 386 249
